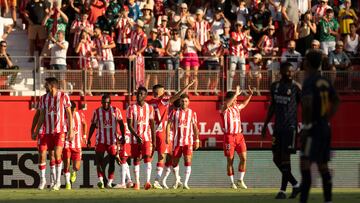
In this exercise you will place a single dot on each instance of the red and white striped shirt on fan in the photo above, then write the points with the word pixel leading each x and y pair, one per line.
pixel 202 30
pixel 85 54
pixel 138 41
pixel 231 120
pixel 80 25
pixel 182 124
pixel 78 119
pixel 55 110
pixel 268 44
pixel 161 112
pixel 239 49
pixel 124 30
pixel 164 35
pixel 106 54
pixel 106 122
pixel 141 116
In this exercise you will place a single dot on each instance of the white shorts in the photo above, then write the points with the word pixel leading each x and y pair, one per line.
pixel 106 65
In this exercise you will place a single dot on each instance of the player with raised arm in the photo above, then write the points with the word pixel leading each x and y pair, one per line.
pixel 140 120
pixel 105 119
pixel 319 104
pixel 161 105
pixel 42 146
pixel 54 105
pixel 233 138
pixel 285 98
pixel 184 123
pixel 72 149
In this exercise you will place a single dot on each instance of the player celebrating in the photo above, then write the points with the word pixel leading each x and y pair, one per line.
pixel 54 105
pixel 140 120
pixel 105 119
pixel 285 97
pixel 233 138
pixel 319 104
pixel 42 146
pixel 72 149
pixel 161 107
pixel 184 123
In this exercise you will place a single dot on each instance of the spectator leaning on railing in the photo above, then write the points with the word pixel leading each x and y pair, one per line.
pixel 6 63
pixel 292 56
pixel 339 61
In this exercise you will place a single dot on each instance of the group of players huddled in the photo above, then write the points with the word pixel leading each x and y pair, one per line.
pixel 168 126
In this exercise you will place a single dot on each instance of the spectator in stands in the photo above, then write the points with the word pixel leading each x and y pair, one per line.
pixel 164 32
pixel 186 20
pixel 124 25
pixel 217 25
pixel 106 22
pixel 6 63
pixel 35 13
pixel 113 7
pixel 352 43
pixel 241 11
pixel 225 38
pixel 255 72
pixel 306 32
pixel 148 19
pixel 304 6
pixel 290 14
pixel 159 9
pixel 73 9
pixel 339 61
pixel 78 26
pixel 172 53
pixel 275 9
pixel 315 44
pixel 134 10
pixel 328 31
pixel 142 3
pixel 152 53
pixel 213 51
pixel 59 49
pixel 268 48
pixel 319 10
pixel 190 47
pixel 5 5
pixel 202 27
pixel 5 27
pixel 103 44
pixel 97 8
pixel 292 56
pixel 346 16
pixel 238 46
pixel 86 52
pixel 259 21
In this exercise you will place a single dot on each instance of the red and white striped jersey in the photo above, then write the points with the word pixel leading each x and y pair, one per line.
pixel 141 116
pixel 319 11
pixel 202 30
pixel 231 120
pixel 138 41
pixel 182 124
pixel 55 110
pixel 85 54
pixel 211 47
pixel 124 30
pixel 38 107
pixel 106 54
pixel 240 49
pixel 164 35
pixel 161 112
pixel 268 44
pixel 78 119
pixel 79 26
pixel 106 122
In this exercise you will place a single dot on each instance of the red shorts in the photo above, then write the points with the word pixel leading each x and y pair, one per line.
pixel 190 59
pixel 144 149
pixel 42 143
pixel 234 143
pixel 102 148
pixel 55 140
pixel 161 146
pixel 125 150
pixel 74 154
pixel 186 150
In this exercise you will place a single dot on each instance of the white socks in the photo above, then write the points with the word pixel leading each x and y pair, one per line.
pixel 58 173
pixel 167 173
pixel 187 174
pixel 124 168
pixel 67 178
pixel 137 173
pixel 101 179
pixel 232 179
pixel 176 172
pixel 148 171
pixel 242 174
pixel 159 171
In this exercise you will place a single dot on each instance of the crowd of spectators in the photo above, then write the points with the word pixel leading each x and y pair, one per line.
pixel 188 34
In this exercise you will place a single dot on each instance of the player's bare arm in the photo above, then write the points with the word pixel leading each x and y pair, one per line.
pixel 269 115
pixel 229 102
pixel 247 100
pixel 34 122
pixel 178 94
pixel 39 124
pixel 168 127
pixel 122 131
pixel 71 125
pixel 196 136
pixel 132 131
pixel 91 132
pixel 153 134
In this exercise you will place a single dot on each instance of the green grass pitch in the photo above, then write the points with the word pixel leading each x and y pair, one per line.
pixel 208 195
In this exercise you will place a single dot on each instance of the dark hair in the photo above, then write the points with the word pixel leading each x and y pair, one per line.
pixel 142 88
pixel 105 96
pixel 49 79
pixel 285 65
pixel 73 105
pixel 52 81
pixel 229 95
pixel 329 10
pixel 3 41
pixel 183 96
pixel 315 59
pixel 157 86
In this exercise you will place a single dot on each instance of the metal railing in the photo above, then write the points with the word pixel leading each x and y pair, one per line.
pixel 123 80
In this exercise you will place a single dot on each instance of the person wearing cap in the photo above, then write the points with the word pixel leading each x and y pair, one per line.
pixel 123 25
pixel 346 16
pixel 164 31
pixel 319 10
pixel 339 61
pixel 292 56
pixel 58 48
pixel 147 18
pixel 328 32
pixel 134 10
pixel 186 20
pixel 138 40
pixel 202 27
pixel 152 53
pixel 213 50
pixel 217 25
pixel 255 71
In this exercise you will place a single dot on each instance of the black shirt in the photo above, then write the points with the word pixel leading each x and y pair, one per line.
pixel 37 11
pixel 155 44
pixel 3 62
pixel 285 97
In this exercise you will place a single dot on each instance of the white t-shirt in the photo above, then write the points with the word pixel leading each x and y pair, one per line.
pixel 4 22
pixel 217 27
pixel 58 55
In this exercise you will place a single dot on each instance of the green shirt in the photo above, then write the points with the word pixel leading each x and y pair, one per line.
pixel 324 26
pixel 61 26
